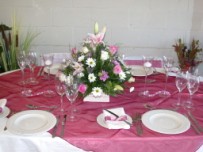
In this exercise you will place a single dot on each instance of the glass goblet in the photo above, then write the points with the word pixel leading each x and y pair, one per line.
pixel 192 86
pixel 21 59
pixel 181 83
pixel 31 61
pixel 167 64
pixel 61 90
pixel 71 94
pixel 147 65
pixel 48 61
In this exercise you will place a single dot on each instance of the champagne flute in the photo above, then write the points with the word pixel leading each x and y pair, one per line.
pixel 181 83
pixel 21 59
pixel 192 86
pixel 71 94
pixel 147 64
pixel 167 64
pixel 61 90
pixel 31 61
pixel 48 61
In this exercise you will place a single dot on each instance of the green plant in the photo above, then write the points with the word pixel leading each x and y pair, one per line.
pixel 9 45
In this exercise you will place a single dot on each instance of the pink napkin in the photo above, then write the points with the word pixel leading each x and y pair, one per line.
pixel 2 104
pixel 113 122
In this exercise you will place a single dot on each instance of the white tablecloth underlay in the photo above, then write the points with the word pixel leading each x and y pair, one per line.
pixel 38 143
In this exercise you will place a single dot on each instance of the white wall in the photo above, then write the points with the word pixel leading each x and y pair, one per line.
pixel 138 26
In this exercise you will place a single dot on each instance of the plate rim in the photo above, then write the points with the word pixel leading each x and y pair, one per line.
pixel 50 117
pixel 150 113
pixel 104 125
pixel 7 110
pixel 139 67
pixel 54 66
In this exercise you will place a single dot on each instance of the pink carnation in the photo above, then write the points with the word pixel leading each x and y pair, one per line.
pixel 82 88
pixel 113 49
pixel 117 69
pixel 74 51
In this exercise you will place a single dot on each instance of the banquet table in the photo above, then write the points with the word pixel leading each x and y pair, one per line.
pixel 88 135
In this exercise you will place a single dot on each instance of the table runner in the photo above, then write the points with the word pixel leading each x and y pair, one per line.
pixel 87 134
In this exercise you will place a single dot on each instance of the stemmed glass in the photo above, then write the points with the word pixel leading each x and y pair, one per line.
pixel 147 64
pixel 71 94
pixel 48 61
pixel 192 86
pixel 21 59
pixel 181 83
pixel 167 64
pixel 31 61
pixel 61 90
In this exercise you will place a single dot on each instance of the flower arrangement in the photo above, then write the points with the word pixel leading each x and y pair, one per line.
pixel 187 57
pixel 98 65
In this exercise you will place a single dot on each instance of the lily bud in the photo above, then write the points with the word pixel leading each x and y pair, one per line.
pixel 104 30
pixel 96 28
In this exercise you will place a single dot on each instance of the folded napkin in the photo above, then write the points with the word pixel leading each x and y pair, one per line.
pixel 113 122
pixel 102 98
pixel 2 104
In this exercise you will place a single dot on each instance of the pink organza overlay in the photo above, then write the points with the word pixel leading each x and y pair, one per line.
pixel 87 134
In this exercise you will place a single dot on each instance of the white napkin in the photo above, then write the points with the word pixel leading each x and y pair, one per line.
pixel 116 124
pixel 2 124
pixel 102 98
pixel 2 104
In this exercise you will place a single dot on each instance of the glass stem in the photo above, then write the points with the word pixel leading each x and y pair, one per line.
pixel 179 98
pixel 23 78
pixel 49 78
pixel 166 81
pixel 62 103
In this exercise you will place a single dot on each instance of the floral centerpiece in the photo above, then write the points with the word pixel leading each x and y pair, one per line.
pixel 187 56
pixel 98 65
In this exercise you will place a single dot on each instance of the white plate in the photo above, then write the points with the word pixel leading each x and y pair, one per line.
pixel 165 121
pixel 53 69
pixel 31 122
pixel 101 121
pixel 5 112
pixel 139 71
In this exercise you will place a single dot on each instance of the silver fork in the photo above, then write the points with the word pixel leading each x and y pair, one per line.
pixel 138 124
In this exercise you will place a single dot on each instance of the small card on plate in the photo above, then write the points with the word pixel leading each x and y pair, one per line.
pixel 102 98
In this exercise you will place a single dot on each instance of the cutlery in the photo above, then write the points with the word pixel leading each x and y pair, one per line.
pixel 31 106
pixel 63 125
pixel 138 124
pixel 40 72
pixel 117 116
pixel 56 126
pixel 195 122
pixel 193 126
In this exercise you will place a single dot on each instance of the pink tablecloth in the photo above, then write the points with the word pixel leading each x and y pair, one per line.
pixel 87 134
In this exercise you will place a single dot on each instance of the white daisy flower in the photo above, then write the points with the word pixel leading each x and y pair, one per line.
pixel 122 75
pixel 91 77
pixel 81 58
pixel 91 62
pixel 104 55
pixel 96 91
pixel 85 50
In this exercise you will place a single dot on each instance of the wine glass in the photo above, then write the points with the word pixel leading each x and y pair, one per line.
pixel 181 83
pixel 167 64
pixel 31 61
pixel 48 61
pixel 192 86
pixel 71 94
pixel 61 90
pixel 147 64
pixel 21 59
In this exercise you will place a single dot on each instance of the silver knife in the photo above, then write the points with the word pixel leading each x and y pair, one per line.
pixel 56 126
pixel 40 72
pixel 63 125
pixel 193 126
pixel 117 116
pixel 195 122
